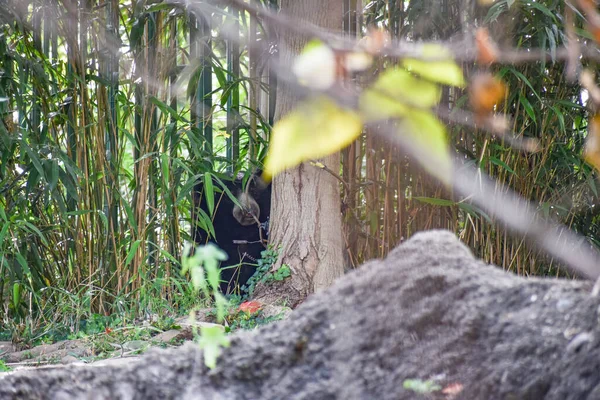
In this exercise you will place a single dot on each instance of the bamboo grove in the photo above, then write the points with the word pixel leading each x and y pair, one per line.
pixel 112 111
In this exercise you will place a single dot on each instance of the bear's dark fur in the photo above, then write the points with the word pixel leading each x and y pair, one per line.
pixel 241 243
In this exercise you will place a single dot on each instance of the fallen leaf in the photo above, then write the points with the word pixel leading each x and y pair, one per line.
pixel 453 389
pixel 250 307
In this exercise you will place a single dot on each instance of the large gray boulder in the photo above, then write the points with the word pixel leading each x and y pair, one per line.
pixel 430 311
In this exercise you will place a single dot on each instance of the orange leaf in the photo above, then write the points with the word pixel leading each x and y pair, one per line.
pixel 485 92
pixel 375 41
pixel 591 152
pixel 487 51
pixel 250 307
pixel 587 6
pixel 594 29
pixel 453 389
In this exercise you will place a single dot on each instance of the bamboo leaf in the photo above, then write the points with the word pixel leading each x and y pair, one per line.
pixel 500 163
pixel 3 215
pixel 209 194
pixel 545 10
pixel 52 174
pixel 528 107
pixel 523 78
pixel 435 201
pixel 164 107
pixel 16 292
pixel 475 211
pixel 23 263
pixel 132 250
pixel 34 229
pixel 3 232
pixel 186 189
pixel 205 222
pixel 33 157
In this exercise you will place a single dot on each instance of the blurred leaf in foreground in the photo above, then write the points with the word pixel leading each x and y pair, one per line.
pixel 316 128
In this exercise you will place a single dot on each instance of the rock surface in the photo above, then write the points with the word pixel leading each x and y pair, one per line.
pixel 430 311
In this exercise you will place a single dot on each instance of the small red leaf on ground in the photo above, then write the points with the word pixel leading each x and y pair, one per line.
pixel 452 390
pixel 250 307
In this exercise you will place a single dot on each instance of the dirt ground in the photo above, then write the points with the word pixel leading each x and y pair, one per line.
pixel 429 322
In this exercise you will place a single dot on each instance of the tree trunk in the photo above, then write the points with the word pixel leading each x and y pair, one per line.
pixel 306 218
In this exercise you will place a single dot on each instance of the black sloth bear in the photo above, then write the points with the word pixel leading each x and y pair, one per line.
pixel 241 227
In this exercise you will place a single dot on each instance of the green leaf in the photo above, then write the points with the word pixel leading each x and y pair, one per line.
pixel 311 45
pixel 16 294
pixel 500 163
pixel 561 118
pixel 52 174
pixel 543 9
pixel 186 189
pixel 203 265
pixel 3 232
pixel 165 108
pixel 209 193
pixel 221 304
pixel 475 211
pixel 211 256
pixel 434 201
pixel 445 71
pixel 132 250
pixel 168 255
pixel 212 339
pixel 205 222
pixel 3 215
pixel 34 229
pixel 527 106
pixel 420 386
pixel 316 128
pixel 429 142
pixel 521 77
pixel 23 264
pixel 394 92
pixel 33 158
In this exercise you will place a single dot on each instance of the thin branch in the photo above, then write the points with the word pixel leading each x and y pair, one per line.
pixel 515 213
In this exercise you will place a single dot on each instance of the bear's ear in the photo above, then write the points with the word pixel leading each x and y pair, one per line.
pixel 260 183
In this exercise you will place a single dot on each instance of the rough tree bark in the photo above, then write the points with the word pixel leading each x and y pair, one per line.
pixel 306 215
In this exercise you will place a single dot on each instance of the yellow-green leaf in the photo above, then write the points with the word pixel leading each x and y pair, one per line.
pixel 316 128
pixel 212 340
pixel 429 143
pixel 394 92
pixel 443 71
